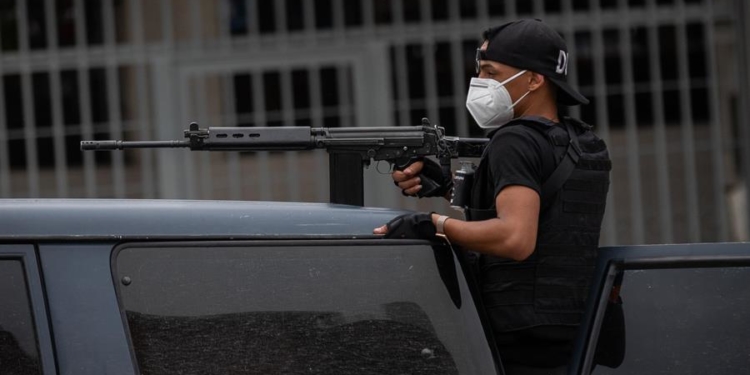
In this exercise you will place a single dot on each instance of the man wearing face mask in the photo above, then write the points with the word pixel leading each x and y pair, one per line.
pixel 536 203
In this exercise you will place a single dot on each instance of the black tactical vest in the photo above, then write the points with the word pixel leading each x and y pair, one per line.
pixel 550 287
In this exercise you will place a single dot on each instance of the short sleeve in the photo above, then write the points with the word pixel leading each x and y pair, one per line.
pixel 515 158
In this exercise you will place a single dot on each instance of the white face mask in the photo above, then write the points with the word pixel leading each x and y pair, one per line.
pixel 489 102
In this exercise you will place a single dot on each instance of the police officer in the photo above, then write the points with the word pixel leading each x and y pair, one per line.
pixel 537 200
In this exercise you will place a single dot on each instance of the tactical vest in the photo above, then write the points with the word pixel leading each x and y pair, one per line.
pixel 550 287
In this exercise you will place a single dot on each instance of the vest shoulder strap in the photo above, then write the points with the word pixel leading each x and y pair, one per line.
pixel 557 178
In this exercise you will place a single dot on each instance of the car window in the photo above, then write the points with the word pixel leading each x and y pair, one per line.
pixel 678 321
pixel 298 309
pixel 19 353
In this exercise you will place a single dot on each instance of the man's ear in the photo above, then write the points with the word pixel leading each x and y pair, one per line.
pixel 536 81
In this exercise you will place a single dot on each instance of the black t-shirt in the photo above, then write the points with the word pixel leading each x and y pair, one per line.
pixel 516 155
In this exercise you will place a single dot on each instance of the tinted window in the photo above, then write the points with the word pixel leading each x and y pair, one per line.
pixel 19 354
pixel 685 321
pixel 312 310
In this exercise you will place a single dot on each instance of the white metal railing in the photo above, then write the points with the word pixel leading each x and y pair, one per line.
pixel 389 62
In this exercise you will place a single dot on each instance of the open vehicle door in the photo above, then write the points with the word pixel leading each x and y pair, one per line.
pixel 667 309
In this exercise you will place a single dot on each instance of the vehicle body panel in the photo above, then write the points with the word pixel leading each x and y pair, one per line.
pixel 120 220
pixel 69 252
pixel 38 305
pixel 89 335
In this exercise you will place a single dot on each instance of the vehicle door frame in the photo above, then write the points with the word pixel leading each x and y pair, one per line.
pixel 612 260
pixel 26 253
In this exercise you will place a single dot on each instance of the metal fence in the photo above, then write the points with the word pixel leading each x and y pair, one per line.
pixel 667 80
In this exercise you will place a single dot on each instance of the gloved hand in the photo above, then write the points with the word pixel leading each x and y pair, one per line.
pixel 413 225
pixel 423 178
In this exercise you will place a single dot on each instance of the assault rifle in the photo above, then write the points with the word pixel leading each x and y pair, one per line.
pixel 351 149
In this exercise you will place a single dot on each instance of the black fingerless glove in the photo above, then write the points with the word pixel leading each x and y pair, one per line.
pixel 434 182
pixel 414 225
pixel 437 184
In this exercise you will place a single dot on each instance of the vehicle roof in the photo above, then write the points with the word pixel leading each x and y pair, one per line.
pixel 121 219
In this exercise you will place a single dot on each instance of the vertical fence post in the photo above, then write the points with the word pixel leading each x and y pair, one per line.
pixel 687 129
pixel 58 131
pixel 234 176
pixel 113 97
pixel 141 89
pixel 631 132
pixel 457 68
pixel 5 173
pixel 743 104
pixel 261 158
pixel 84 98
pixel 660 133
pixel 291 158
pixel 27 95
pixel 199 108
pixel 602 118
pixel 228 108
pixel 170 183
pixel 374 107
pixel 316 112
pixel 570 40
pixel 717 144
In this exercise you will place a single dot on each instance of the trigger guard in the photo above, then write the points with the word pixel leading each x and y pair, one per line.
pixel 387 171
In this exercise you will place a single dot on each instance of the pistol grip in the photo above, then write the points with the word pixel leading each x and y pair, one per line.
pixel 429 186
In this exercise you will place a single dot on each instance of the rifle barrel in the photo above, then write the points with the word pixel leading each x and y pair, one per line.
pixel 121 145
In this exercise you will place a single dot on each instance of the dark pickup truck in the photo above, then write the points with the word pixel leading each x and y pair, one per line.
pixel 209 287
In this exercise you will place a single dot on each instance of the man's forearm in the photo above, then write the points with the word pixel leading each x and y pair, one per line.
pixel 495 237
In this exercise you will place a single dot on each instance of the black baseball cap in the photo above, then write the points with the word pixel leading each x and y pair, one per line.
pixel 533 45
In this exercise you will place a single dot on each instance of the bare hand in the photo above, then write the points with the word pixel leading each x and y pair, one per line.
pixel 408 179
